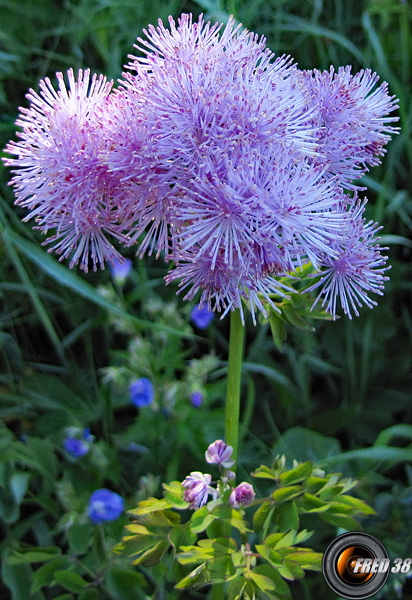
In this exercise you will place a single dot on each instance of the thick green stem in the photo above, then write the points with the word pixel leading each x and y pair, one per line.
pixel 233 381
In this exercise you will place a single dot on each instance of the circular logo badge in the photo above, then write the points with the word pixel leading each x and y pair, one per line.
pixel 355 565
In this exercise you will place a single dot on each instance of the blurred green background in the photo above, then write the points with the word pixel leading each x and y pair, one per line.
pixel 70 344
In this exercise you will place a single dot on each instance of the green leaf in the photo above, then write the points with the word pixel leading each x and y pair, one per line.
pixel 307 560
pixel 344 521
pixel 80 536
pixel 297 474
pixel 201 519
pixel 262 517
pixel 311 503
pixel 70 580
pixel 90 594
pixel 193 555
pixel 182 536
pixel 44 575
pixel 18 485
pixel 271 555
pixel 294 318
pixel 43 451
pixel 236 587
pixel 196 577
pixel 278 329
pixel 313 484
pixel 295 570
pixel 173 493
pixel 262 582
pixel 401 430
pixel 272 574
pixel 281 540
pixel 229 515
pixel 287 516
pixel 374 453
pixel 139 545
pixel 125 584
pixel 286 493
pixel 264 472
pixel 221 568
pixel 147 506
pixel 331 492
pixel 359 506
pixel 304 444
pixel 286 572
pixel 153 555
pixel 32 555
pixel 18 579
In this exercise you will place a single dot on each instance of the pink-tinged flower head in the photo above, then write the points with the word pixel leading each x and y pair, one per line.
pixel 208 95
pixel 197 489
pixel 242 495
pixel 219 453
pixel 60 173
pixel 356 270
pixel 353 119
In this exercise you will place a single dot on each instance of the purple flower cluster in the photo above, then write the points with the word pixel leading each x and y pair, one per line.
pixel 220 454
pixel 239 167
pixel 197 489
pixel 197 485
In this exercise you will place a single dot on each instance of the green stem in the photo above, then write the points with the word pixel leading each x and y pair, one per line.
pixel 232 408
pixel 233 381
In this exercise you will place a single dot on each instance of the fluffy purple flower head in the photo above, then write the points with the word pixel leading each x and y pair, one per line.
pixel 60 173
pixel 242 495
pixel 353 119
pixel 219 453
pixel 197 489
pixel 75 447
pixel 233 163
pixel 196 399
pixel 141 392
pixel 356 269
pixel 250 162
pixel 201 317
pixel 105 505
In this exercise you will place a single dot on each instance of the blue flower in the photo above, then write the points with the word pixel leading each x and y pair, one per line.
pixel 196 399
pixel 75 447
pixel 201 317
pixel 121 269
pixel 141 392
pixel 87 435
pixel 105 505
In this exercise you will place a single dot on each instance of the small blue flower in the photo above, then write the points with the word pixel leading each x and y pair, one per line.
pixel 196 399
pixel 141 392
pixel 87 435
pixel 105 505
pixel 121 269
pixel 75 447
pixel 201 317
